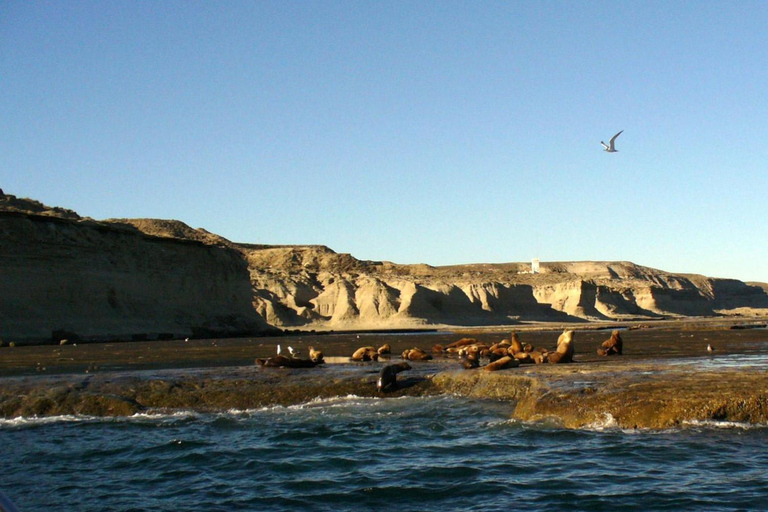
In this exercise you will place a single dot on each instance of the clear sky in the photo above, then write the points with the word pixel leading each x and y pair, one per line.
pixel 415 132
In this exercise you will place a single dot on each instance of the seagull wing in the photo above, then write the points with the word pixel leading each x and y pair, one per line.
pixel 614 137
pixel 604 145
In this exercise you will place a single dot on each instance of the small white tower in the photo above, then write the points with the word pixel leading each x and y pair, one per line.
pixel 535 266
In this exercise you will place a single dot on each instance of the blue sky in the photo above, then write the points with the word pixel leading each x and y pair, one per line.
pixel 414 132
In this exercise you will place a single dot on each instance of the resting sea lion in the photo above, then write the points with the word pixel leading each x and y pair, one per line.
pixel 540 356
pixel 497 353
pixel 416 354
pixel 564 352
pixel 470 361
pixel 612 346
pixel 388 376
pixel 281 361
pixel 316 356
pixel 365 354
pixel 384 349
pixel 524 357
pixel 500 364
pixel 462 342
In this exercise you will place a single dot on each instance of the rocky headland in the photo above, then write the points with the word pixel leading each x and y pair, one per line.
pixel 157 282
pixel 65 276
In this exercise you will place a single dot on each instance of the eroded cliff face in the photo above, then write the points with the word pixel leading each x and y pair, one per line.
pixel 127 276
pixel 66 277
pixel 315 287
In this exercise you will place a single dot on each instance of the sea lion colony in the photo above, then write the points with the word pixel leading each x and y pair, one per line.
pixel 508 353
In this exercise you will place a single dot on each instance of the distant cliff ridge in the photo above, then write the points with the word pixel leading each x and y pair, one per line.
pixel 61 273
pixel 315 286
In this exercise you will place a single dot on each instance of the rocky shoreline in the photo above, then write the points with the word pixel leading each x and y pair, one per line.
pixel 666 379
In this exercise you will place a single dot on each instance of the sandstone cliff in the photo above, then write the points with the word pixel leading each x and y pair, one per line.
pixel 119 277
pixel 62 276
pixel 313 286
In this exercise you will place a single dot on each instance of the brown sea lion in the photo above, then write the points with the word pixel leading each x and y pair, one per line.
pixel 498 353
pixel 365 354
pixel 565 349
pixel 469 349
pixel 281 361
pixel 388 376
pixel 500 364
pixel 470 361
pixel 384 349
pixel 316 356
pixel 612 346
pixel 516 345
pixel 524 357
pixel 416 354
pixel 539 356
pixel 437 349
pixel 462 342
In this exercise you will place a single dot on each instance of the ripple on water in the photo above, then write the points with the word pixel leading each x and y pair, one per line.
pixel 352 453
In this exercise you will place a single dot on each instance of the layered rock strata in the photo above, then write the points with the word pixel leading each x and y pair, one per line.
pixel 71 278
pixel 157 278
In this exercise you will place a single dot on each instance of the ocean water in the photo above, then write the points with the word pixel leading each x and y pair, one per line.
pixel 350 453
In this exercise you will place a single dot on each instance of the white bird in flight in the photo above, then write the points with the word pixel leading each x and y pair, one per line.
pixel 610 146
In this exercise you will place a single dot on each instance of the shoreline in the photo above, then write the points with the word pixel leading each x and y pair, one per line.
pixel 664 379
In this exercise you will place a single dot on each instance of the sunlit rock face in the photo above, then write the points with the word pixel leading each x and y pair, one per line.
pixel 125 277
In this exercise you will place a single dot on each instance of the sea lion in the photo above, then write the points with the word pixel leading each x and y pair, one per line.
pixel 316 356
pixel 470 361
pixel 470 349
pixel 497 353
pixel 462 342
pixel 281 361
pixel 539 356
pixel 388 376
pixel 384 349
pixel 500 364
pixel 565 349
pixel 516 345
pixel 416 354
pixel 365 354
pixel 496 346
pixel 437 349
pixel 612 346
pixel 524 357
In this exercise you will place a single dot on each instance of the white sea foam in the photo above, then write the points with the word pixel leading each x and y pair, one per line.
pixel 723 424
pixel 33 421
pixel 30 421
pixel 607 422
pixel 335 401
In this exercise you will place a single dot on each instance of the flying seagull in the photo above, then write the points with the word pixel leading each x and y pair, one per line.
pixel 610 148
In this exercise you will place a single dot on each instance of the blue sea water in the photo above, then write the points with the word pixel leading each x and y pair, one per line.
pixel 350 453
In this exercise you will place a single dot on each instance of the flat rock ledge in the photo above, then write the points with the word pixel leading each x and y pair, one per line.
pixel 619 393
